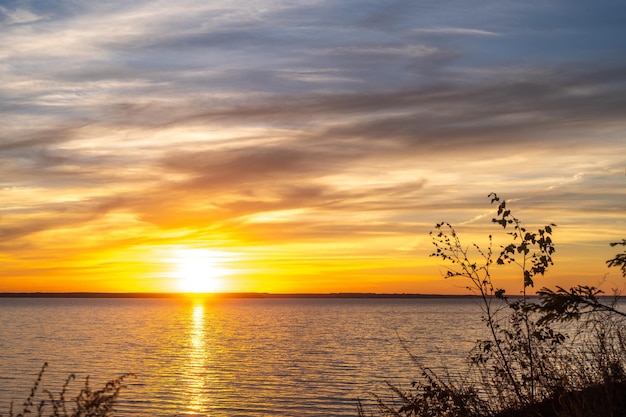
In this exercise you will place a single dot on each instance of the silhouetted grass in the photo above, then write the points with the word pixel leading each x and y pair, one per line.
pixel 87 403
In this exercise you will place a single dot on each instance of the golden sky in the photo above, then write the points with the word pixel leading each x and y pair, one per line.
pixel 303 147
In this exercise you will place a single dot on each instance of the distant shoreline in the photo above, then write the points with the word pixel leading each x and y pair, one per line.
pixel 234 295
pixel 220 295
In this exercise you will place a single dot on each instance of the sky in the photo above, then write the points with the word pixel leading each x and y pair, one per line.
pixel 304 146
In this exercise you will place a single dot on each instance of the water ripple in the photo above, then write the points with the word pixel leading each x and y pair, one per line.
pixel 259 357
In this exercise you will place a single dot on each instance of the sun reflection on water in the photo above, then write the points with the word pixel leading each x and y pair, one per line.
pixel 197 363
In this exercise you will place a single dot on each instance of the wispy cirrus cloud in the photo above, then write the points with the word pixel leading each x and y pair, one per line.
pixel 455 31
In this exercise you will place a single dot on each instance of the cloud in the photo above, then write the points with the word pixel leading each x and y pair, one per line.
pixel 456 31
pixel 302 122
pixel 18 16
pixel 487 114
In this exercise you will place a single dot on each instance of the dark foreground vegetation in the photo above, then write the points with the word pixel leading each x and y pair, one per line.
pixel 87 402
pixel 561 355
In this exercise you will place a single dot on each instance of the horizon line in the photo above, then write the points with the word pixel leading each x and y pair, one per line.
pixel 89 294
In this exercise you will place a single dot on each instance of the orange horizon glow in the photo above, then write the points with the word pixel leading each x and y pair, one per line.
pixel 273 253
pixel 189 269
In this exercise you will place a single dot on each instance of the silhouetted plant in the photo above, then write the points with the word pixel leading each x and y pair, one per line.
pixel 566 305
pixel 87 403
pixel 526 367
pixel 620 259
pixel 432 395
pixel 517 340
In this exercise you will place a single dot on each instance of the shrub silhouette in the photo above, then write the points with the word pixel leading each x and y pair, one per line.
pixel 534 362
pixel 87 403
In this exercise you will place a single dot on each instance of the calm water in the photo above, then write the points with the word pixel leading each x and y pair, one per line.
pixel 238 357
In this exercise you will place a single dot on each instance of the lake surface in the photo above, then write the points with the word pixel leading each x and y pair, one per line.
pixel 232 357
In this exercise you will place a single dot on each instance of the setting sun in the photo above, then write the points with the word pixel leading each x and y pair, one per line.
pixel 198 270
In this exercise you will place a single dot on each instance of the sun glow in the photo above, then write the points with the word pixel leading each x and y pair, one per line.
pixel 198 270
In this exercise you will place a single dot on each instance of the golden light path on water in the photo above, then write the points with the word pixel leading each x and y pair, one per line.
pixel 196 368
